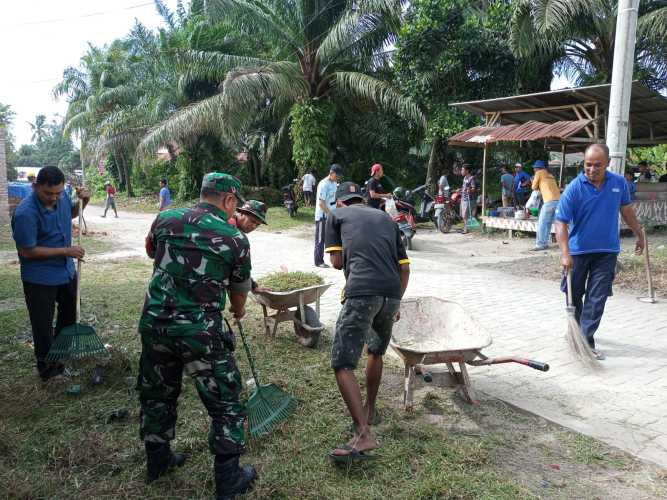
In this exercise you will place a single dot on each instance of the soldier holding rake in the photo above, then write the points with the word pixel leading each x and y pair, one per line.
pixel 198 257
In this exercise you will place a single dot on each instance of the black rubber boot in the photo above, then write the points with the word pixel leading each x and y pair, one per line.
pixel 230 479
pixel 160 459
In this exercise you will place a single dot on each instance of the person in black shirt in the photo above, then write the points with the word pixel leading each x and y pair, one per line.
pixel 376 193
pixel 366 244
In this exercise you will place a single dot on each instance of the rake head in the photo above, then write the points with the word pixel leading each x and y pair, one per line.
pixel 268 406
pixel 76 342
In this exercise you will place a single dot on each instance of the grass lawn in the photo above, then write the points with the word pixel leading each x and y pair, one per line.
pixel 59 446
pixel 94 243
pixel 279 220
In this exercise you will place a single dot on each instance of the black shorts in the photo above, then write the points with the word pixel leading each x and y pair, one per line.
pixel 362 320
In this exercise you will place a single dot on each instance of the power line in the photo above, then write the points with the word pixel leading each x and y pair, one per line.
pixel 84 16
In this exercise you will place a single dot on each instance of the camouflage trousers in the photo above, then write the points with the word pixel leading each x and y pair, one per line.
pixel 210 362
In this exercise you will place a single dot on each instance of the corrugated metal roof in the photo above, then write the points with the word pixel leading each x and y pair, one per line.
pixel 648 109
pixel 530 131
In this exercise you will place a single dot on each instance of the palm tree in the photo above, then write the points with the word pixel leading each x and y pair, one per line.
pixel 578 35
pixel 39 129
pixel 324 57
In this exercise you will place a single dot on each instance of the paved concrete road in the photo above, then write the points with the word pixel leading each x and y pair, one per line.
pixel 624 405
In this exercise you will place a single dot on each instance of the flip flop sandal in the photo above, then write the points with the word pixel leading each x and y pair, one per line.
pixel 352 456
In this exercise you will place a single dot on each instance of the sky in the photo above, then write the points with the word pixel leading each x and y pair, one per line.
pixel 40 38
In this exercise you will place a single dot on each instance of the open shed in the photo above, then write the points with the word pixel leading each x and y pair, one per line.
pixel 567 121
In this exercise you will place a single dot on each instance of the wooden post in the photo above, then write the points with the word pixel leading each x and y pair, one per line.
pixel 562 164
pixel 484 182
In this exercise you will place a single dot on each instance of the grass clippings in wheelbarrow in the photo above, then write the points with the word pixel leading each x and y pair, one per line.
pixel 288 281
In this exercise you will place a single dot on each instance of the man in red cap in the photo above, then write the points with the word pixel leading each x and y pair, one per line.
pixel 374 187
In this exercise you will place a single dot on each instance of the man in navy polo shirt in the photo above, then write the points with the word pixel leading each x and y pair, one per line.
pixel 590 206
pixel 42 230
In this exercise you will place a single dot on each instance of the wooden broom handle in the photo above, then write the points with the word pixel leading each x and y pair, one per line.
pixel 78 266
pixel 569 287
pixel 647 260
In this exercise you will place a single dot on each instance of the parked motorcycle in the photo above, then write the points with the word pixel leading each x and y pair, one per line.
pixel 403 214
pixel 289 199
pixel 445 212
pixel 426 212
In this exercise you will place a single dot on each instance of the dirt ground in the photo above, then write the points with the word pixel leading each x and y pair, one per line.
pixel 547 459
pixel 631 270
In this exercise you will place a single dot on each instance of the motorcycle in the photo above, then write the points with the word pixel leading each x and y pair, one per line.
pixel 403 214
pixel 289 199
pixel 426 212
pixel 445 212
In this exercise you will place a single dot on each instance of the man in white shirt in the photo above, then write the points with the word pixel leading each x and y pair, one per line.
pixel 309 182
pixel 326 202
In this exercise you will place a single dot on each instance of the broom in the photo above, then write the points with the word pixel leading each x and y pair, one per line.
pixel 76 341
pixel 575 338
pixel 269 404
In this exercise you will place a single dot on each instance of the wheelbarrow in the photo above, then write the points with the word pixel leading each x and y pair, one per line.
pixel 435 331
pixel 293 306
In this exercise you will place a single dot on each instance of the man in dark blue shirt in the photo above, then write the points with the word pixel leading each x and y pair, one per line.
pixel 590 206
pixel 42 230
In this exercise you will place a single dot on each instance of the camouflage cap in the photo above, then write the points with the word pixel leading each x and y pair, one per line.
pixel 223 183
pixel 256 209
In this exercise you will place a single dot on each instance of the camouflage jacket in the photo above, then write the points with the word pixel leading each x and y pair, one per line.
pixel 197 256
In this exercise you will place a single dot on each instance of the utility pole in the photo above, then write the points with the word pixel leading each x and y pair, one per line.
pixel 621 83
pixel 4 186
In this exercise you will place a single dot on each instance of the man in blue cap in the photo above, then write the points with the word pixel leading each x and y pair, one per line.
pixel 588 236
pixel 546 184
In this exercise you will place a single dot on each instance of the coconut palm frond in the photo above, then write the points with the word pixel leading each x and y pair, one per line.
pixel 557 14
pixel 355 35
pixel 380 93
pixel 126 95
pixel 247 87
pixel 211 66
pixel 652 28
pixel 258 14
pixel 276 140
pixel 197 119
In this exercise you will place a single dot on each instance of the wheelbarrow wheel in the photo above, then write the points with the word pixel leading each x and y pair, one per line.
pixel 308 331
pixel 306 339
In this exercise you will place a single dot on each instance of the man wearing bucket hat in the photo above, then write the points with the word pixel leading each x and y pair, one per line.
pixel 199 260
pixel 366 244
pixel 545 183
pixel 249 216
pixel 376 193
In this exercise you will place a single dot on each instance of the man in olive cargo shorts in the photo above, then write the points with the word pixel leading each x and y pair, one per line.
pixel 366 243
pixel 198 258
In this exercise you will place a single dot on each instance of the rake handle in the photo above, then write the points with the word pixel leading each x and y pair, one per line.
pixel 78 266
pixel 247 352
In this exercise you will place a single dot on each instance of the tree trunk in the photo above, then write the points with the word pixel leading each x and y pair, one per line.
pixel 4 199
pixel 433 163
pixel 128 182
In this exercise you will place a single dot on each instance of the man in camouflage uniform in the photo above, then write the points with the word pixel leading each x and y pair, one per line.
pixel 198 256
pixel 249 216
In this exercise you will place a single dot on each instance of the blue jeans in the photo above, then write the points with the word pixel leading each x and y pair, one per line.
pixel 319 241
pixel 592 279
pixel 547 214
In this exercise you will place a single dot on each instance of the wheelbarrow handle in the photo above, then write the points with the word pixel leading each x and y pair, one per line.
pixel 537 365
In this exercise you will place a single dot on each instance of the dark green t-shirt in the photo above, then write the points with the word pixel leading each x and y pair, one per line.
pixel 372 250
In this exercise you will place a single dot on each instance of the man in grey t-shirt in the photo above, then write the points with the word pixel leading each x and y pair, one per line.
pixel 506 183
pixel 366 244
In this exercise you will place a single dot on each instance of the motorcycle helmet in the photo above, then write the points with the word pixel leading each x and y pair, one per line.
pixel 400 193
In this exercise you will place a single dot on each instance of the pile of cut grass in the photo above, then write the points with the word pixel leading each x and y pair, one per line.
pixel 288 281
